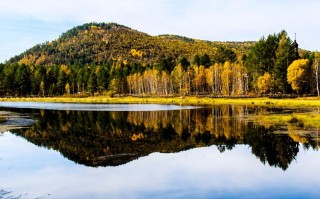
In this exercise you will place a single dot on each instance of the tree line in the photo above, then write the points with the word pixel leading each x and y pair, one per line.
pixel 119 77
pixel 272 65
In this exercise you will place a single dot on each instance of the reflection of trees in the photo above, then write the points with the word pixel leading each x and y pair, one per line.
pixel 113 138
pixel 277 149
pixel 221 121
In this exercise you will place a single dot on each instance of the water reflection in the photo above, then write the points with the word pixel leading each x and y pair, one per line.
pixel 115 138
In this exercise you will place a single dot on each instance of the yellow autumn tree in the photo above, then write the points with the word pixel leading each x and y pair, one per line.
pixel 297 74
pixel 42 88
pixel 67 87
pixel 178 78
pixel 114 86
pixel 200 79
pixel 226 78
pixel 165 82
pixel 264 83
pixel 210 74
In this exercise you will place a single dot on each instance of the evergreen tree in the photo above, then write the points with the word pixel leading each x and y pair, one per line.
pixel 262 56
pixel 2 85
pixel 184 63
pixel 284 57
pixel 9 78
pixel 22 80
pixel 205 60
pixel 102 80
pixel 39 77
pixel 62 81
pixel 92 83
pixel 196 60
pixel 224 54
pixel 272 55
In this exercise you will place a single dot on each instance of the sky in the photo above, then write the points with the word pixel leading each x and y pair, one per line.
pixel 25 23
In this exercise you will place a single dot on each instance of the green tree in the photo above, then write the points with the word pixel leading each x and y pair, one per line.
pixel 272 55
pixel 224 54
pixel 22 80
pixel 51 82
pixel 196 60
pixel 92 83
pixel 2 84
pixel 39 77
pixel 166 64
pixel 63 78
pixel 184 62
pixel 9 78
pixel 284 57
pixel 114 86
pixel 80 80
pixel 102 80
pixel 205 60
pixel 261 57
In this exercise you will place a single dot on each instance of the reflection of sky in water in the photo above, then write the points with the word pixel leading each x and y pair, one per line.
pixel 93 107
pixel 197 173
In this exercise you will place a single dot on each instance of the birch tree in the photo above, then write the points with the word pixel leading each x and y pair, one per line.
pixel 316 70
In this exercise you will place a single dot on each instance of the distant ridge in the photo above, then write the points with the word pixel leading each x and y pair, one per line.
pixel 98 43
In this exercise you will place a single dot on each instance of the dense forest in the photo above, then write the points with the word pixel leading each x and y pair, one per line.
pixel 109 59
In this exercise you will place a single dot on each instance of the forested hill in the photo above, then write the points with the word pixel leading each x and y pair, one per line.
pixel 98 43
pixel 107 58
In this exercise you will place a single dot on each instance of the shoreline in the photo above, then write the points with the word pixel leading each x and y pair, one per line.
pixel 303 102
pixel 306 120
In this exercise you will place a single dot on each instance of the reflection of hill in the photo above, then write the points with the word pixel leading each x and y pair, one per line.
pixel 114 138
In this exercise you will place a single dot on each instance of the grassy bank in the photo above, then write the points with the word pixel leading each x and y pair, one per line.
pixel 295 103
pixel 295 120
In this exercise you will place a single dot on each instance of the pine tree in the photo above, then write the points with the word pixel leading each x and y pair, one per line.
pixel 92 83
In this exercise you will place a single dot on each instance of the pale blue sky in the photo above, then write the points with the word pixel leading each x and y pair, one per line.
pixel 24 23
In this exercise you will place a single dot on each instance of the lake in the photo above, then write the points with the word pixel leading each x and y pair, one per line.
pixel 55 150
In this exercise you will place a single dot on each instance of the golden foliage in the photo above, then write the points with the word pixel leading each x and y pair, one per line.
pixel 27 60
pixel 67 87
pixel 136 137
pixel 136 53
pixel 65 69
pixel 226 78
pixel 297 74
pixel 264 83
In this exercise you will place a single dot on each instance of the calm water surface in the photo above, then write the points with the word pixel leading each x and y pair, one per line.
pixel 158 151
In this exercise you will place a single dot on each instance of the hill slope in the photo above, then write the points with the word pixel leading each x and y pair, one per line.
pixel 97 43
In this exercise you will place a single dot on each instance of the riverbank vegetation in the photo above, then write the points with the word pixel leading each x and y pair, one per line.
pixel 189 100
pixel 100 58
pixel 296 120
